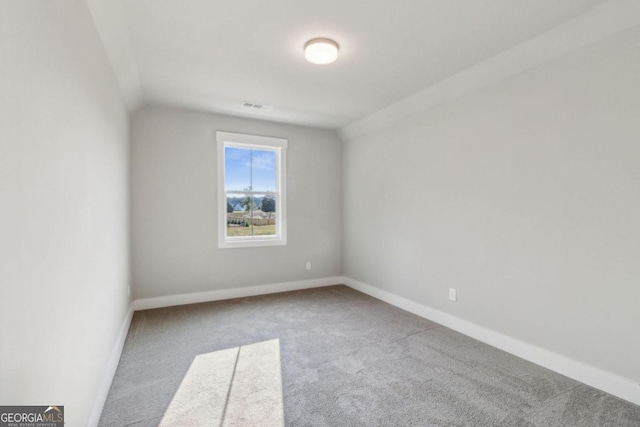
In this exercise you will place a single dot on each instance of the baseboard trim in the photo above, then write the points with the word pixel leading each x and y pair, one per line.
pixel 223 294
pixel 110 370
pixel 616 385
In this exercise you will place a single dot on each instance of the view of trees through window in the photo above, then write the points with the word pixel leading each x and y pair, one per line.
pixel 251 191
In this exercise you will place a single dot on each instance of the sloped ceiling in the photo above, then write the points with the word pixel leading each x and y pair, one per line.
pixel 213 55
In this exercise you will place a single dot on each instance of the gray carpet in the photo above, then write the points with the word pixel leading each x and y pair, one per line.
pixel 348 360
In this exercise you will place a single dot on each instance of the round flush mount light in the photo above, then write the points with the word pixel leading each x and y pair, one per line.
pixel 321 51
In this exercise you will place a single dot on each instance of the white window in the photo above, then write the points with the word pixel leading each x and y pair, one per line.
pixel 251 190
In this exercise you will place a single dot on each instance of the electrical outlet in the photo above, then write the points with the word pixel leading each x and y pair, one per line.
pixel 308 265
pixel 452 294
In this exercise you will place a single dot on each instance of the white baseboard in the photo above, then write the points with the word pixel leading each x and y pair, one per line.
pixel 616 385
pixel 147 303
pixel 223 294
pixel 110 371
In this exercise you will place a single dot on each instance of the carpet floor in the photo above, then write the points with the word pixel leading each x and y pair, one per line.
pixel 346 359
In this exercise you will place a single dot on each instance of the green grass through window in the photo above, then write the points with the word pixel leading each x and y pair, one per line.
pixel 258 230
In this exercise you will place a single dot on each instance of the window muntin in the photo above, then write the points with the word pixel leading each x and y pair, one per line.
pixel 251 190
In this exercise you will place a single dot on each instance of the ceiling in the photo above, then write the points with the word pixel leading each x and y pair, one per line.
pixel 213 55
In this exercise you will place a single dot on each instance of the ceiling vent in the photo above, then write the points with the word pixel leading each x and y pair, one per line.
pixel 257 107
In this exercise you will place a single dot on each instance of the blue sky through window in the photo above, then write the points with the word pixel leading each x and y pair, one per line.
pixel 249 167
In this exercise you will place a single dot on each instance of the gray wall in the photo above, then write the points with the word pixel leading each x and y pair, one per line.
pixel 64 270
pixel 174 206
pixel 524 196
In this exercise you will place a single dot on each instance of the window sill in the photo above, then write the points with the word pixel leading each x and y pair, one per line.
pixel 251 243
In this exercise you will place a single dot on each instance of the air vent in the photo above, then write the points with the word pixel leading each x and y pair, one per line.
pixel 257 107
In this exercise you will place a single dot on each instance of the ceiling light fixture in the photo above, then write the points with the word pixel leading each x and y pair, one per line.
pixel 321 51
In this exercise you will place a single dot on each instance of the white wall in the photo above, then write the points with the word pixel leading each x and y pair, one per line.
pixel 63 207
pixel 525 196
pixel 174 206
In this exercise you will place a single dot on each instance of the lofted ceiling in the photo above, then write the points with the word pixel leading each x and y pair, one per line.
pixel 212 55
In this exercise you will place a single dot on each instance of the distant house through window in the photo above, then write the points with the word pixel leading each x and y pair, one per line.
pixel 251 189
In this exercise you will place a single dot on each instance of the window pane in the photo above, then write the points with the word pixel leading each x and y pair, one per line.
pixel 263 167
pixel 246 217
pixel 237 169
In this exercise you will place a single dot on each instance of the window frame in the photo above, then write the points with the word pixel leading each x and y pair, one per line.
pixel 279 146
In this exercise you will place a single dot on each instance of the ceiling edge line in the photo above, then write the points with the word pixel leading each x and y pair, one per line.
pixel 586 29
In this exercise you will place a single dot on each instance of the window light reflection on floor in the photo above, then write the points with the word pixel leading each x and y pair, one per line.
pixel 233 387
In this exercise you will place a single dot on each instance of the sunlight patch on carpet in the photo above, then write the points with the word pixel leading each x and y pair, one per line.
pixel 238 386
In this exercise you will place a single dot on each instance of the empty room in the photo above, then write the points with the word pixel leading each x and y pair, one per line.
pixel 331 213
